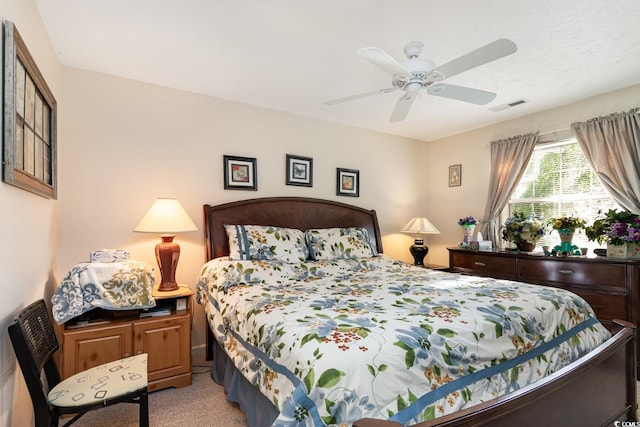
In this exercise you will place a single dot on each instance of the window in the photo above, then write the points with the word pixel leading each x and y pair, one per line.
pixel 558 181
pixel 29 121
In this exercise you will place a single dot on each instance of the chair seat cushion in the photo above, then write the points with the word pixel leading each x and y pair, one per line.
pixel 101 383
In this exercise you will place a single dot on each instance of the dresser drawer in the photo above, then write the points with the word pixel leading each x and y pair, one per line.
pixel 606 307
pixel 481 264
pixel 573 273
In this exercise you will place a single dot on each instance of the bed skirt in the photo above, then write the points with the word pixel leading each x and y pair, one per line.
pixel 259 410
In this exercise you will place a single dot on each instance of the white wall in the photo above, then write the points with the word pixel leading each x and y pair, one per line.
pixel 130 142
pixel 472 150
pixel 28 225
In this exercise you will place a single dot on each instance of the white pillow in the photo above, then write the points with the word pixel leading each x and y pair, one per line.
pixel 265 242
pixel 327 244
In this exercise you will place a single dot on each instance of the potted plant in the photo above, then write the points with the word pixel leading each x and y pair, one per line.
pixel 567 225
pixel 616 229
pixel 468 225
pixel 524 231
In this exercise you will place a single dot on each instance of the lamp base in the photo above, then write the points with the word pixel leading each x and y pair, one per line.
pixel 419 251
pixel 167 254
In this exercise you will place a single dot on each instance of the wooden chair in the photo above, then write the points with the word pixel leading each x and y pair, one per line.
pixel 34 342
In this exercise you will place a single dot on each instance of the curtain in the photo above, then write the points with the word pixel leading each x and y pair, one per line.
pixel 509 158
pixel 612 146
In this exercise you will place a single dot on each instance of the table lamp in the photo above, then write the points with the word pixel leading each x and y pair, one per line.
pixel 419 226
pixel 166 216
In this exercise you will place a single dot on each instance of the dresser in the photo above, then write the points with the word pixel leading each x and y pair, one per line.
pixel 609 285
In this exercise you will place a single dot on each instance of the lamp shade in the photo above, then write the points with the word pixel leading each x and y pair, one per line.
pixel 165 216
pixel 420 226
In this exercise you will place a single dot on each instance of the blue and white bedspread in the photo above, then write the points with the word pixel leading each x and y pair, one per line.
pixel 331 342
pixel 124 285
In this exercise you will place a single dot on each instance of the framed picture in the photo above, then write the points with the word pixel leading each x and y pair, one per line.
pixel 299 171
pixel 30 121
pixel 240 173
pixel 455 175
pixel 348 182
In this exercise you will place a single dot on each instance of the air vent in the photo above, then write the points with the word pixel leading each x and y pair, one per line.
pixel 509 104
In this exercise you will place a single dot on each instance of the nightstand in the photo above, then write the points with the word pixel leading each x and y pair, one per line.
pixel 164 333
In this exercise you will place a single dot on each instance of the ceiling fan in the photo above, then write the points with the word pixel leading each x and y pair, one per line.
pixel 418 73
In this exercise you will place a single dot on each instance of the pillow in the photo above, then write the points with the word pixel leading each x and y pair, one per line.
pixel 265 242
pixel 327 244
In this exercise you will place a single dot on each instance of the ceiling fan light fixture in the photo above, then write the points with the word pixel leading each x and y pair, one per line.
pixel 418 73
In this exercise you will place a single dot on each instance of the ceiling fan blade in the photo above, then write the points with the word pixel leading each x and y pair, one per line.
pixel 401 109
pixel 359 95
pixel 480 56
pixel 382 59
pixel 461 93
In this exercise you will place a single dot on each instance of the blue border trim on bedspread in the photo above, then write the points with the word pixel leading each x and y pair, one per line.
pixel 419 405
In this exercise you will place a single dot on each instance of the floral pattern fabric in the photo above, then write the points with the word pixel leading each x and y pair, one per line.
pixel 331 342
pixel 123 285
pixel 265 242
pixel 339 243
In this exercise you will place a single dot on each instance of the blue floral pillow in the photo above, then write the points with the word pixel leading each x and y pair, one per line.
pixel 327 244
pixel 265 242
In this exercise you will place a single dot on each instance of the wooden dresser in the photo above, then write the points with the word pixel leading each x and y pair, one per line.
pixel 609 285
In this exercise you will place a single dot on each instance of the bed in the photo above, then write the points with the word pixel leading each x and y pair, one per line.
pixel 314 343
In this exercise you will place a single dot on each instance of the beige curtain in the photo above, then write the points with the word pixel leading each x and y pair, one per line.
pixel 612 146
pixel 509 158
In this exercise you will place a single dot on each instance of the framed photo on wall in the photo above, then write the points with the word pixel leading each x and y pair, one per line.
pixel 30 121
pixel 240 173
pixel 455 175
pixel 299 171
pixel 348 182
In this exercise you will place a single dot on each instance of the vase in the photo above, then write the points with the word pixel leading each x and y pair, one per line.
pixel 616 251
pixel 525 246
pixel 566 236
pixel 566 247
pixel 467 231
pixel 633 249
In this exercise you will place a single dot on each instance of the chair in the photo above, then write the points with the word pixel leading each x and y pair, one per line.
pixel 34 342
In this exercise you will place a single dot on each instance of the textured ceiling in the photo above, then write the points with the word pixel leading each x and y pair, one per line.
pixel 293 55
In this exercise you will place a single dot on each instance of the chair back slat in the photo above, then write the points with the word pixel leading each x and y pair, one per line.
pixel 38 333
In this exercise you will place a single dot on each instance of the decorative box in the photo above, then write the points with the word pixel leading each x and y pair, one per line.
pixel 110 255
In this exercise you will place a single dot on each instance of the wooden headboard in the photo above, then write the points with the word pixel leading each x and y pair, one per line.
pixel 292 212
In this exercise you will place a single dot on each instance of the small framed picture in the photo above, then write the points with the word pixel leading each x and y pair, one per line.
pixel 240 173
pixel 299 171
pixel 455 175
pixel 348 182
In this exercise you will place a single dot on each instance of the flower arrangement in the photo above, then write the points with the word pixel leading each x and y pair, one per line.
pixel 521 228
pixel 615 227
pixel 621 232
pixel 469 220
pixel 567 222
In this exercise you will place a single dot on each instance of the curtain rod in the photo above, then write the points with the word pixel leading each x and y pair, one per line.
pixel 555 135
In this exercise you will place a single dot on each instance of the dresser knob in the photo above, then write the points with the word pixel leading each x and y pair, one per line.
pixel 566 271
pixel 480 264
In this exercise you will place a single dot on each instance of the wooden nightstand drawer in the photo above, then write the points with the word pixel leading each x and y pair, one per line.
pixel 573 272
pixel 483 264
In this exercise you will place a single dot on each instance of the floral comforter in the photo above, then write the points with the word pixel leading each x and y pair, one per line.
pixel 332 342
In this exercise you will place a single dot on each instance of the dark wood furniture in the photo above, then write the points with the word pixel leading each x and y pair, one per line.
pixel 610 285
pixel 166 339
pixel 594 390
